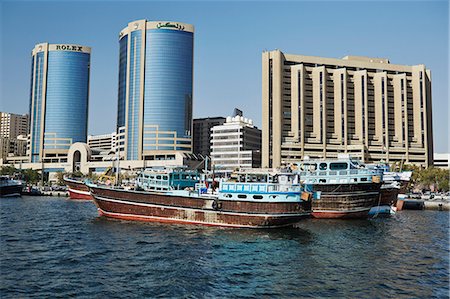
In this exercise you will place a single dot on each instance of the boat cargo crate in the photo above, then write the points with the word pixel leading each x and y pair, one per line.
pixel 306 196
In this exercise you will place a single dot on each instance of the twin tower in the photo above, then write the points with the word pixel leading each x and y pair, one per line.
pixel 154 93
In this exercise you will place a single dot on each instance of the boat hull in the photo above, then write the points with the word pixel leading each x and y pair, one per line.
pixel 11 190
pixel 388 196
pixel 344 200
pixel 77 190
pixel 160 207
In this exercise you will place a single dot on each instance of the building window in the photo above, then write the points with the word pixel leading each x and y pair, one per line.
pixel 342 107
pixel 299 87
pixel 363 103
pixel 270 111
pixel 383 112
pixel 403 110
pixel 321 105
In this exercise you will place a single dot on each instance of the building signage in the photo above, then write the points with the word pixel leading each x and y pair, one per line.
pixel 169 25
pixel 69 48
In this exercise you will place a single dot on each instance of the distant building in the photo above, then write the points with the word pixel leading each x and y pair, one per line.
pixel 105 142
pixel 13 125
pixel 13 147
pixel 155 89
pixel 365 107
pixel 441 160
pixel 235 144
pixel 59 100
pixel 202 134
pixel 109 142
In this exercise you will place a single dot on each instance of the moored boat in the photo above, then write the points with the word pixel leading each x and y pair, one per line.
pixel 10 187
pixel 343 187
pixel 389 194
pixel 77 189
pixel 394 183
pixel 258 201
pixel 402 178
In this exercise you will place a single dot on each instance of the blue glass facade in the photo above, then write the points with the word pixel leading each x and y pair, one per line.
pixel 164 106
pixel 134 95
pixel 122 82
pixel 59 98
pixel 66 108
pixel 168 85
pixel 36 98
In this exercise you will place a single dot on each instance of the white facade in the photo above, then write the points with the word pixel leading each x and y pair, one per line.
pixel 109 142
pixel 441 160
pixel 105 141
pixel 235 144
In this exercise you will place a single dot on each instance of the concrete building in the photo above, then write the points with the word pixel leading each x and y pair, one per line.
pixel 59 100
pixel 109 142
pixel 202 134
pixel 235 144
pixel 13 147
pixel 365 107
pixel 13 125
pixel 441 160
pixel 105 142
pixel 155 88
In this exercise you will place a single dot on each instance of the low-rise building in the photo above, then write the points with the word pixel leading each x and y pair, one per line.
pixel 105 142
pixel 235 144
pixel 202 134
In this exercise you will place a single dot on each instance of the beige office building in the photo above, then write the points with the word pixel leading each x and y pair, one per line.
pixel 365 107
pixel 13 125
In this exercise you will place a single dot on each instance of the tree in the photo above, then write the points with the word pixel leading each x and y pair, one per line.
pixel 31 176
pixel 60 177
pixel 28 175
pixel 7 170
pixel 431 178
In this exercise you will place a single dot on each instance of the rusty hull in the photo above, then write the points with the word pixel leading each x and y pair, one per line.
pixel 160 207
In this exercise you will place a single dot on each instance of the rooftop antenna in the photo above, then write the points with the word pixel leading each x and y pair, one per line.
pixel 237 112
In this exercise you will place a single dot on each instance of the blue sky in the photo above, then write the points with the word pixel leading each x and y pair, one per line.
pixel 229 40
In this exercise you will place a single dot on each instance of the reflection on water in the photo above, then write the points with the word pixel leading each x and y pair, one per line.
pixel 55 246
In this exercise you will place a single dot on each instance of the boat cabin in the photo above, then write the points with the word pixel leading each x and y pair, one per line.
pixel 165 179
pixel 336 171
pixel 261 187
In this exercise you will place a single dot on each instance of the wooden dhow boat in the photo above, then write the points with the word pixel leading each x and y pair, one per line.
pixel 393 183
pixel 77 189
pixel 343 187
pixel 255 201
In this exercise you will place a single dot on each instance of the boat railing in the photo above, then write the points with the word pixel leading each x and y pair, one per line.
pixel 258 187
pixel 340 176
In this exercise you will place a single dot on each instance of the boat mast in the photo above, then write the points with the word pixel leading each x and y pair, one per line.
pixel 117 168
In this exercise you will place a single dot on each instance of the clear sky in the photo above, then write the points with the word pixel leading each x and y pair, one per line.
pixel 229 39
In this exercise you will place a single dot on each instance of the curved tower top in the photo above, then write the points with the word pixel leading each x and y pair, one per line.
pixel 168 25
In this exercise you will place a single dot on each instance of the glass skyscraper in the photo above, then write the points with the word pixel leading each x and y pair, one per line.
pixel 155 88
pixel 59 97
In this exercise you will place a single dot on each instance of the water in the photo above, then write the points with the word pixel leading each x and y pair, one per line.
pixel 55 247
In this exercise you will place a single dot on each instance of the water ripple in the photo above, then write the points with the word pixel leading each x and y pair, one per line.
pixel 52 247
